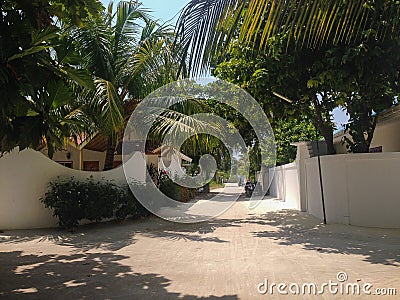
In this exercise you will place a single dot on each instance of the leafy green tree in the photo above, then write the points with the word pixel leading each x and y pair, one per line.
pixel 290 74
pixel 40 71
pixel 291 131
pixel 361 77
pixel 366 80
pixel 345 50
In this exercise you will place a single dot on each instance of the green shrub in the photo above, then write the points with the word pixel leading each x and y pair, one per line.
pixel 127 204
pixel 99 199
pixel 68 201
pixel 170 188
pixel 72 201
pixel 174 190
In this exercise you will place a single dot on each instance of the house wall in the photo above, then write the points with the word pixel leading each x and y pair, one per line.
pixel 89 155
pixel 24 179
pixel 386 135
pixel 285 184
pixel 61 156
pixel 359 189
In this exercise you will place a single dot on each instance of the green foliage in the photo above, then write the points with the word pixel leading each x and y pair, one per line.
pixel 168 187
pixel 361 77
pixel 127 204
pixel 216 185
pixel 291 74
pixel 206 27
pixel 72 201
pixel 291 131
pixel 367 82
pixel 174 190
pixel 320 54
pixel 40 71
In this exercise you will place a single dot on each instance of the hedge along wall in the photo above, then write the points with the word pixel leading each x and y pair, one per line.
pixel 24 179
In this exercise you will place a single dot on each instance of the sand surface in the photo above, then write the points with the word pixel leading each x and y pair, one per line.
pixel 225 258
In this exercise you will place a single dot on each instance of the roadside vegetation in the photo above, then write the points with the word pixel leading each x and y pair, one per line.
pixel 70 69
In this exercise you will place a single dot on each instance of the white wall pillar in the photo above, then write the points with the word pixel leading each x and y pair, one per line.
pixel 302 154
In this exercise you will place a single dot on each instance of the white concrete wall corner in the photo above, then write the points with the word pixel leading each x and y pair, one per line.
pixel 285 185
pixel 24 179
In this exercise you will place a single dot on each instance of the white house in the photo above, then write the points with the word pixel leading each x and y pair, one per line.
pixel 90 154
pixel 386 136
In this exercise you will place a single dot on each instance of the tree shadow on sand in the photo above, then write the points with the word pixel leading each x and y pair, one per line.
pixel 378 246
pixel 113 237
pixel 80 276
pixel 285 227
pixel 104 236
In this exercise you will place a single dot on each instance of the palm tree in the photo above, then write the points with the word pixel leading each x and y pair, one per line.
pixel 129 55
pixel 206 27
pixel 40 73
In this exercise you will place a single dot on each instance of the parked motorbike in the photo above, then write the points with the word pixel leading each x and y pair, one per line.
pixel 249 188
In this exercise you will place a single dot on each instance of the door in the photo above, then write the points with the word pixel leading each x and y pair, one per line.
pixel 91 166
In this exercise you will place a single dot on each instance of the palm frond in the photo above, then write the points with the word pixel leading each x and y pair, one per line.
pixel 205 27
pixel 154 61
pixel 130 17
pixel 95 42
pixel 108 107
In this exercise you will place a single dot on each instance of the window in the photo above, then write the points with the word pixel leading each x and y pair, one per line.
pixel 67 164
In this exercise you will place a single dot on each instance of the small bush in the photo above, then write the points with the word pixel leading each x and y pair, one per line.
pixel 170 188
pixel 173 190
pixel 99 199
pixel 68 201
pixel 127 204
pixel 73 201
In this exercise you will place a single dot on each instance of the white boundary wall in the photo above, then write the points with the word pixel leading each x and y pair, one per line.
pixel 359 189
pixel 285 185
pixel 24 179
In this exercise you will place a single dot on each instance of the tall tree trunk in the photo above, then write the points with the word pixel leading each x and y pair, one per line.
pixel 362 125
pixel 323 127
pixel 109 162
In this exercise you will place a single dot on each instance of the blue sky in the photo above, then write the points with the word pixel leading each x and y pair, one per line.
pixel 161 9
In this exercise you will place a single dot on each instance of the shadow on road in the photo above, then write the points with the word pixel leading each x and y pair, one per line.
pixel 377 246
pixel 285 227
pixel 80 276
